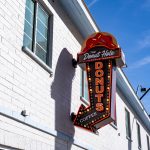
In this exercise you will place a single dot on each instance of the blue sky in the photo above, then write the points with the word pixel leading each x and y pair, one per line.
pixel 129 22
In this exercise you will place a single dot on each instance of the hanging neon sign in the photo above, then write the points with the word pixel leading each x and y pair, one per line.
pixel 99 57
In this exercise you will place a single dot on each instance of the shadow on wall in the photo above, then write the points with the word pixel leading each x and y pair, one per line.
pixel 56 4
pixel 61 92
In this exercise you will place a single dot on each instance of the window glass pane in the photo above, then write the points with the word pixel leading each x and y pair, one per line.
pixel 127 128
pixel 28 27
pixel 84 85
pixel 43 16
pixel 40 53
pixel 27 41
pixel 41 33
pixel 127 120
pixel 148 146
pixel 29 16
pixel 138 135
pixel 30 5
pixel 41 41
pixel 42 28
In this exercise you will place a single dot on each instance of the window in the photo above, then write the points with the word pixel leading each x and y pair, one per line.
pixel 84 86
pixel 128 127
pixel 36 30
pixel 148 146
pixel 138 135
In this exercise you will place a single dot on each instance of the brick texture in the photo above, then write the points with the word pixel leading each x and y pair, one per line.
pixel 49 101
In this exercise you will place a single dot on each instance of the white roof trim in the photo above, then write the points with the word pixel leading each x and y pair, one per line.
pixel 80 16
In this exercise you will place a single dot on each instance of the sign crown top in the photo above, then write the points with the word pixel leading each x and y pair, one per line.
pixel 99 39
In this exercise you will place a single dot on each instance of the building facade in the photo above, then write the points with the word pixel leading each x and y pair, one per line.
pixel 39 87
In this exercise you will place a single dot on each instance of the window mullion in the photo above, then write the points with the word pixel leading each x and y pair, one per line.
pixel 35 26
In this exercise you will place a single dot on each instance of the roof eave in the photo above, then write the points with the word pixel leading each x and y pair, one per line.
pixel 79 14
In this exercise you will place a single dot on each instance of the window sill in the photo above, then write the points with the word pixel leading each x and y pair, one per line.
pixel 40 62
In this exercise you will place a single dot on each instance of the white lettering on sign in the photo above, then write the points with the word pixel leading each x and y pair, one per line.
pixel 90 56
pixel 102 54
pixel 107 53
pixel 88 117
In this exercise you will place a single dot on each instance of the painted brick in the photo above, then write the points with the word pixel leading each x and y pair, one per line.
pixel 1 136
pixel 20 66
pixel 7 57
pixel 6 83
pixel 26 85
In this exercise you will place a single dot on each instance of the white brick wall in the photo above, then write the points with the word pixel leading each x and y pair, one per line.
pixel 48 100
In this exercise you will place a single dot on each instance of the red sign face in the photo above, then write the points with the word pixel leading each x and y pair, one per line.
pixel 99 76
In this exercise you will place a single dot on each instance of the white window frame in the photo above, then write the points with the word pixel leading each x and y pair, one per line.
pixel 31 52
